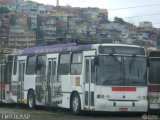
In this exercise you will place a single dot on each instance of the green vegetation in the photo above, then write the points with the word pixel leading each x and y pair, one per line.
pixel 119 20
pixel 4 9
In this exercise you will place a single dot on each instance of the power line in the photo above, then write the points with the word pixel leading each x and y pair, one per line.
pixel 142 15
pixel 134 7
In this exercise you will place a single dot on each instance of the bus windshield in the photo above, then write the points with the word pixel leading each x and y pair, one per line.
pixel 121 71
pixel 154 77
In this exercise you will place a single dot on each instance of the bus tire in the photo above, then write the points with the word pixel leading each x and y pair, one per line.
pixel 75 104
pixel 31 100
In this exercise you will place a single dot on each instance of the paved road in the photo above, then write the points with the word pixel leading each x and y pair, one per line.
pixel 8 113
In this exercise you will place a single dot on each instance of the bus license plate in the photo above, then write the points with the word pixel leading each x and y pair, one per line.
pixel 123 109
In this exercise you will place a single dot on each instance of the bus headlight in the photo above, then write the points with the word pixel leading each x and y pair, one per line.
pixel 103 96
pixel 100 96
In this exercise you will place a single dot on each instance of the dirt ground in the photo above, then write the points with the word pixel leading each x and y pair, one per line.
pixel 22 113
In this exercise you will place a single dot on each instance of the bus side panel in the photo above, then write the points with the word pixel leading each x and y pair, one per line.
pixel 7 93
pixel 29 83
pixel 14 90
pixel 65 81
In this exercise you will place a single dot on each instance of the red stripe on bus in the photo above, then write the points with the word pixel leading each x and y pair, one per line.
pixel 154 88
pixel 2 85
pixel 124 89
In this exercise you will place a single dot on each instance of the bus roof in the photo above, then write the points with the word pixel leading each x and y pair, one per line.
pixel 62 48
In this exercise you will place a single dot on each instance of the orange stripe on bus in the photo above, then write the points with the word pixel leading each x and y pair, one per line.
pixel 124 89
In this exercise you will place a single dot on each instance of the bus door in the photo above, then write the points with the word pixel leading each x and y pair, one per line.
pixel 51 80
pixel 2 83
pixel 89 83
pixel 20 85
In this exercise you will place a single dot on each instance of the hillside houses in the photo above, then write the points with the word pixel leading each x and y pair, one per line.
pixel 46 24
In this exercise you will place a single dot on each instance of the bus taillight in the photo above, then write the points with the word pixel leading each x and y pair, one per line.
pixel 154 88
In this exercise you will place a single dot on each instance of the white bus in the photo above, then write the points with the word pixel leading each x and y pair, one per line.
pixel 98 77
pixel 154 79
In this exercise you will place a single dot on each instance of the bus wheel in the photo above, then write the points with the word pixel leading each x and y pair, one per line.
pixel 31 100
pixel 75 104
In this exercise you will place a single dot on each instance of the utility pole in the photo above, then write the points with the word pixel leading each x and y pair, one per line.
pixel 57 3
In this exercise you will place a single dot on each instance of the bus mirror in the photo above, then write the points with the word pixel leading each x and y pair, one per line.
pixel 148 62
pixel 96 60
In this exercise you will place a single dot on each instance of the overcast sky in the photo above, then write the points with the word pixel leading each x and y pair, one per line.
pixel 136 10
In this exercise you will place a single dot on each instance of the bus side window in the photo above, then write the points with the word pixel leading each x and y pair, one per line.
pixel 2 66
pixel 41 65
pixel 8 72
pixel 92 71
pixel 3 73
pixel 54 68
pixel 15 66
pixel 87 77
pixel 76 64
pixel 64 64
pixel 31 65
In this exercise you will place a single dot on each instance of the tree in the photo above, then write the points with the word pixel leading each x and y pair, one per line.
pixel 4 9
pixel 119 20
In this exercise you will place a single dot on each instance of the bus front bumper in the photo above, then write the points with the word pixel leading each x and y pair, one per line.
pixel 122 106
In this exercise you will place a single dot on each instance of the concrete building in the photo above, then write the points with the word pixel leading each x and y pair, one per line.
pixel 4 30
pixel 145 24
pixel 21 38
